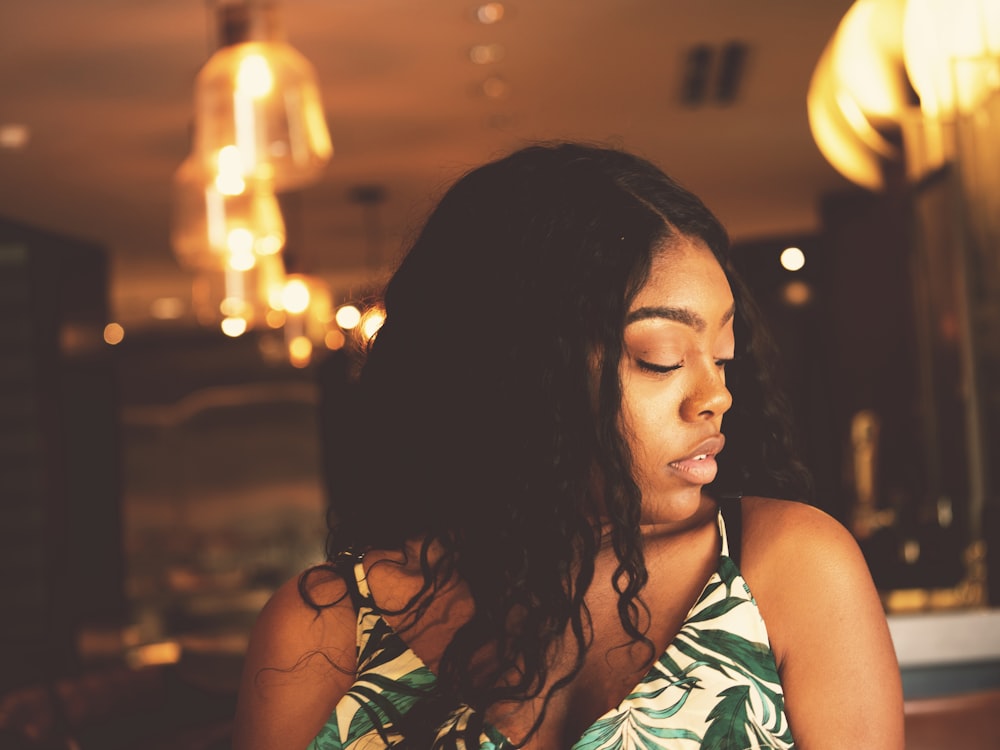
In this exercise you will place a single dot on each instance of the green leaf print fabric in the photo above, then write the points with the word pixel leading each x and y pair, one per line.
pixel 715 687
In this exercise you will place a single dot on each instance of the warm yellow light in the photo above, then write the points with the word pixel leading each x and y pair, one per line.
pixel 300 351
pixel 207 226
pixel 14 136
pixel 242 261
pixel 484 54
pixel 254 77
pixel 488 13
pixel 862 127
pixel 295 296
pixel 166 308
pixel 263 97
pixel 229 172
pixel 239 241
pixel 371 322
pixel 867 58
pixel 797 293
pixel 334 339
pixel 151 654
pixel 936 33
pixel 113 333
pixel 792 259
pixel 274 318
pixel 835 137
pixel 274 294
pixel 232 306
pixel 348 316
pixel 269 244
pixel 234 327
pixel 495 87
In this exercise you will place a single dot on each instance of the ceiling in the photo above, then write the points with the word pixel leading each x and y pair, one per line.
pixel 104 90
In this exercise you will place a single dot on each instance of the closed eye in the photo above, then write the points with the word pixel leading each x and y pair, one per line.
pixel 721 363
pixel 661 369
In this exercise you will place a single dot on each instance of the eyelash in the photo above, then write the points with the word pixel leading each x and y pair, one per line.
pixel 664 369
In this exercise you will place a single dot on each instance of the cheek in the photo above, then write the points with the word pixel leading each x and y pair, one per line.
pixel 644 430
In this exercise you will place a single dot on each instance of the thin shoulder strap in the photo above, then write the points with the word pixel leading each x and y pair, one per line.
pixel 345 565
pixel 732 515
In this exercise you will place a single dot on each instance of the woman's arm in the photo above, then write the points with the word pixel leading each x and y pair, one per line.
pixel 298 665
pixel 827 627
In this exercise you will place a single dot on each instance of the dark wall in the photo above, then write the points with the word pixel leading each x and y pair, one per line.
pixel 60 501
pixel 854 347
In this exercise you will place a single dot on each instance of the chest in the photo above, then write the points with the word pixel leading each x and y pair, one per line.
pixel 616 662
pixel 715 682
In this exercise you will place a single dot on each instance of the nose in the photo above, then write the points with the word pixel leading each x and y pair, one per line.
pixel 708 397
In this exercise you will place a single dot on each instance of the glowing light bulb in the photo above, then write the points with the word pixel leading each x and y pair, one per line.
pixel 232 307
pixel 484 54
pixel 240 243
pixel 239 240
pixel 269 244
pixel 489 13
pixel 792 259
pixel 295 296
pixel 229 176
pixel 113 334
pixel 797 293
pixel 348 317
pixel 274 318
pixel 495 87
pixel 254 77
pixel 242 261
pixel 300 351
pixel 234 327
pixel 334 340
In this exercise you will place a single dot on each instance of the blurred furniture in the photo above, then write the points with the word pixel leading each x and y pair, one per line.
pixel 969 721
pixel 950 666
pixel 118 708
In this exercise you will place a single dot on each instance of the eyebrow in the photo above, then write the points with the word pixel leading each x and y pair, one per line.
pixel 677 314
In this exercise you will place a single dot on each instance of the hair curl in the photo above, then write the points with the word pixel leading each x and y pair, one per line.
pixel 474 416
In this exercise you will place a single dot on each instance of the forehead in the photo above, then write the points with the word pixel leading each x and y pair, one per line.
pixel 685 273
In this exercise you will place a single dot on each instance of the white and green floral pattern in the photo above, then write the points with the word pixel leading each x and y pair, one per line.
pixel 715 687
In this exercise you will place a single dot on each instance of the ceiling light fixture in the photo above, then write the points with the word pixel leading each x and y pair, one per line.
pixel 214 228
pixel 489 13
pixel 257 98
pixel 14 136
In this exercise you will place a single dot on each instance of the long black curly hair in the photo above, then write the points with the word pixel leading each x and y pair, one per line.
pixel 475 418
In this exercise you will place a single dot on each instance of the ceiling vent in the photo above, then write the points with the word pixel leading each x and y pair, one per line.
pixel 713 74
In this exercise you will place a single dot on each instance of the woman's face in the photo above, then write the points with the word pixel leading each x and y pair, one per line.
pixel 678 338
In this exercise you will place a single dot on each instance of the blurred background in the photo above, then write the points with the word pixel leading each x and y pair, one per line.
pixel 199 202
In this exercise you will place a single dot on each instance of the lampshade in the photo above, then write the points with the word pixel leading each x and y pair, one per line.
pixel 867 59
pixel 828 105
pixel 857 93
pixel 936 32
pixel 221 220
pixel 258 97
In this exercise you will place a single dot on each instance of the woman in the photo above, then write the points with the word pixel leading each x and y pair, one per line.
pixel 527 548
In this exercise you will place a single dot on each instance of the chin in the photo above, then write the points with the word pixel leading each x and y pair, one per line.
pixel 675 505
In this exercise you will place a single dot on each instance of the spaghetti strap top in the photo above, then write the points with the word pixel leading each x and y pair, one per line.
pixel 715 686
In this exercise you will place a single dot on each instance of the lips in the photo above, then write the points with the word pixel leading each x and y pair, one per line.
pixel 699 466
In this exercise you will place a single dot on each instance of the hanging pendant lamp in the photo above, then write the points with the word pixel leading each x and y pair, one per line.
pixel 258 97
pixel 223 221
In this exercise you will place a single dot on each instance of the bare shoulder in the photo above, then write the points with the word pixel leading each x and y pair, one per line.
pixel 777 529
pixel 310 609
pixel 826 625
pixel 299 663
pixel 798 559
